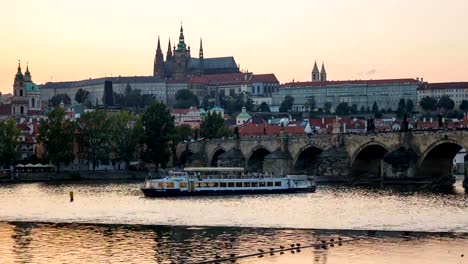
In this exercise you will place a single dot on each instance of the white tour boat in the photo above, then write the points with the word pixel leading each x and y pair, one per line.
pixel 223 181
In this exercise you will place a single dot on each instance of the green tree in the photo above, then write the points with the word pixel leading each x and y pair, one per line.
pixel 9 140
pixel 158 134
pixel 446 103
pixel 464 105
pixel 287 104
pixel 428 104
pixel 212 126
pixel 342 109
pixel 375 108
pixel 183 132
pixel 59 98
pixel 409 106
pixel 185 99
pixel 126 134
pixel 401 107
pixel 353 109
pixel 310 103
pixel 263 107
pixel 56 135
pixel 207 103
pixel 95 135
pixel 327 107
pixel 81 96
pixel 362 109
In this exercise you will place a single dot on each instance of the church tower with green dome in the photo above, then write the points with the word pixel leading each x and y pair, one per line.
pixel 26 94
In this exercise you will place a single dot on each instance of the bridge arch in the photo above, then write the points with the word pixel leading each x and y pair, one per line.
pixel 366 161
pixel 214 157
pixel 437 160
pixel 256 158
pixel 306 160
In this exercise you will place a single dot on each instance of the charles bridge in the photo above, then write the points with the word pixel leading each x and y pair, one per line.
pixel 393 156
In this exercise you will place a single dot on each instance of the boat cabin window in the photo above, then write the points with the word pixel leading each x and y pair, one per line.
pixel 169 185
pixel 261 184
pixel 246 184
pixel 238 184
pixel 230 184
pixel 269 184
pixel 214 184
pixel 278 184
pixel 222 185
pixel 254 184
pixel 160 185
pixel 183 185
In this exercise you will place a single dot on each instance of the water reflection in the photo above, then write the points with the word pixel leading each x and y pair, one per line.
pixel 86 243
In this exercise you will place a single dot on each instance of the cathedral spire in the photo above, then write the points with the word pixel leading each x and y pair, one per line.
pixel 169 51
pixel 19 75
pixel 158 69
pixel 323 73
pixel 181 46
pixel 201 49
pixel 159 46
pixel 27 74
pixel 315 73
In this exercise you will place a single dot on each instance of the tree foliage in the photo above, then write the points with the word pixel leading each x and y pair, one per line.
pixel 126 135
pixel 310 104
pixel 327 107
pixel 9 140
pixel 81 96
pixel 56 135
pixel 446 103
pixel 133 99
pixel 287 104
pixel 234 103
pixel 183 132
pixel 185 99
pixel 428 104
pixel 95 135
pixel 57 99
pixel 159 131
pixel 263 107
pixel 401 110
pixel 212 126
pixel 409 106
pixel 464 105
pixel 342 109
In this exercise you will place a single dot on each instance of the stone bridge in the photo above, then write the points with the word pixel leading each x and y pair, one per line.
pixel 395 156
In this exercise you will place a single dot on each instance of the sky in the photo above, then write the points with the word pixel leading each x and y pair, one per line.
pixel 65 40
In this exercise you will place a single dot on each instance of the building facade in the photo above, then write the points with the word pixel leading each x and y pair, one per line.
pixel 457 91
pixel 362 93
pixel 26 98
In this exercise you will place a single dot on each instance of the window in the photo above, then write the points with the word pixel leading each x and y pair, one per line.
pixel 278 184
pixel 215 184
pixel 269 184
pixel 254 184
pixel 238 184
pixel 183 185
pixel 246 184
pixel 230 184
pixel 169 185
pixel 261 184
pixel 222 185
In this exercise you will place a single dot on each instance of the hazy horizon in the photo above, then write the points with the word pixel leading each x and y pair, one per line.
pixel 364 39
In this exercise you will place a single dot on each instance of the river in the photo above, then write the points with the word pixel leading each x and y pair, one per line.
pixel 115 223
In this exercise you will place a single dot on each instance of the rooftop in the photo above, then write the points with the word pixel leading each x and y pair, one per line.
pixel 350 82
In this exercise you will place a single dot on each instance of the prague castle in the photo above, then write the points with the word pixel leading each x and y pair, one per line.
pixel 180 64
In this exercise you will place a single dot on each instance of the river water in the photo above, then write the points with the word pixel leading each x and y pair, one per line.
pixel 115 223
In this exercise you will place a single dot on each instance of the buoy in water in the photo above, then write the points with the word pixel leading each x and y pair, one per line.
pixel 71 196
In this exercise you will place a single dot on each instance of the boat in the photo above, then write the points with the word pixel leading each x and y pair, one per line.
pixel 224 181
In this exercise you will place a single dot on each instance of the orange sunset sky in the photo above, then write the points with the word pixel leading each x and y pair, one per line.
pixel 358 39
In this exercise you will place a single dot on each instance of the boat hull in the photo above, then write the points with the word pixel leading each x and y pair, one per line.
pixel 150 192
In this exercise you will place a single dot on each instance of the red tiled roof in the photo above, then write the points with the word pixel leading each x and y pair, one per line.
pixel 443 86
pixel 366 82
pixel 228 78
pixel 264 78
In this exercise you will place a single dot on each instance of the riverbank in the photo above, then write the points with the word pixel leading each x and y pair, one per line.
pixel 76 176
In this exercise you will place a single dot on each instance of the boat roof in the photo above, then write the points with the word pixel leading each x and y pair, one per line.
pixel 221 169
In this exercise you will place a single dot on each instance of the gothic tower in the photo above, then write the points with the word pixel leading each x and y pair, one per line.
pixel 169 52
pixel 26 94
pixel 315 73
pixel 323 73
pixel 181 57
pixel 201 59
pixel 158 69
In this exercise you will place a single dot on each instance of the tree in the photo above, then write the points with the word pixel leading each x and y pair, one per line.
pixel 353 109
pixel 185 99
pixel 206 103
pixel 57 99
pixel 446 103
pixel 9 140
pixel 81 96
pixel 327 107
pixel 133 99
pixel 212 126
pixel 409 106
pixel 287 104
pixel 375 108
pixel 183 132
pixel 428 104
pixel 159 131
pixel 401 108
pixel 95 134
pixel 310 103
pixel 126 134
pixel 342 109
pixel 263 107
pixel 362 109
pixel 56 135
pixel 464 105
